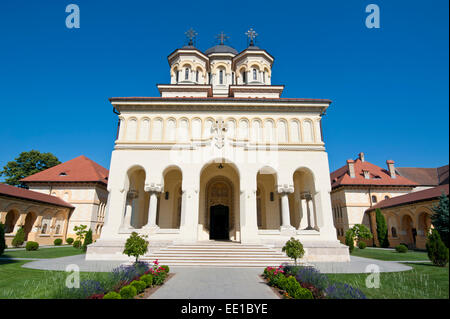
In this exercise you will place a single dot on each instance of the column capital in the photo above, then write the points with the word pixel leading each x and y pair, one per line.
pixel 285 189
pixel 153 188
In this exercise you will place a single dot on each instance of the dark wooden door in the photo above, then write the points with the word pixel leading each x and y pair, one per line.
pixel 219 222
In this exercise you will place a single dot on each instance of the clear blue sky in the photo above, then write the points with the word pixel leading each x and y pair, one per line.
pixel 389 86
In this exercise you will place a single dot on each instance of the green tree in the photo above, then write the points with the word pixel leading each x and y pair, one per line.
pixel 358 232
pixel 437 252
pixel 2 239
pixel 440 218
pixel 26 164
pixel 382 230
pixel 350 239
pixel 87 239
pixel 136 245
pixel 19 238
pixel 294 249
pixel 80 231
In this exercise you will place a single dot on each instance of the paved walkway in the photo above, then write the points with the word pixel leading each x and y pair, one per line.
pixel 62 262
pixel 215 283
pixel 359 265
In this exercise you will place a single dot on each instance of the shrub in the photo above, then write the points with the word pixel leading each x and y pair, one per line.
pixel 343 291
pixel 112 295
pixel 19 238
pixel 80 231
pixel 128 292
pixel 292 270
pixel 165 268
pixel 295 290
pixel 362 245
pixel 401 248
pixel 77 244
pixel 69 240
pixel 148 279
pixel 159 277
pixel 293 249
pixel 136 245
pixel 349 240
pixel 440 218
pixel 382 231
pixel 31 245
pixel 140 285
pixel 87 239
pixel 311 276
pixel 436 249
pixel 2 239
pixel 57 242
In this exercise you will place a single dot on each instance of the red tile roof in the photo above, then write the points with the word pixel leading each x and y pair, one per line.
pixel 413 197
pixel 22 193
pixel 378 176
pixel 79 169
pixel 425 176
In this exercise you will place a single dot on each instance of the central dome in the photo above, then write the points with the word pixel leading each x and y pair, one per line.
pixel 221 48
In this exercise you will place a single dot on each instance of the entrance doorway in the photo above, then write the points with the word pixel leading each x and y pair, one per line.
pixel 219 222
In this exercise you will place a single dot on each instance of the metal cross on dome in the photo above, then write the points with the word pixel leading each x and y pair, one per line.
pixel 222 37
pixel 251 34
pixel 191 34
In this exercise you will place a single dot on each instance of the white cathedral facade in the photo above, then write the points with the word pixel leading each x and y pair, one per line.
pixel 220 156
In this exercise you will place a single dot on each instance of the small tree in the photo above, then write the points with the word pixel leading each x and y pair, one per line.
pixel 382 230
pixel 294 249
pixel 80 231
pixel 87 239
pixel 437 252
pixel 361 232
pixel 350 239
pixel 136 245
pixel 19 238
pixel 2 239
pixel 440 218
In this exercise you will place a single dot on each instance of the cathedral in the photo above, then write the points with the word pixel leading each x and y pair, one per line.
pixel 220 158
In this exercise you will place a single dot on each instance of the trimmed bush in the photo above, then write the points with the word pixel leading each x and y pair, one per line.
pixel 140 285
pixel 69 240
pixel 2 239
pixel 165 268
pixel 112 295
pixel 294 249
pixel 87 239
pixel 31 245
pixel 77 244
pixel 362 245
pixel 158 278
pixel 57 242
pixel 128 292
pixel 19 238
pixel 436 249
pixel 148 279
pixel 401 248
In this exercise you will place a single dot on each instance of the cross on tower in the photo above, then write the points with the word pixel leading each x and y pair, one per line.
pixel 251 34
pixel 191 34
pixel 222 37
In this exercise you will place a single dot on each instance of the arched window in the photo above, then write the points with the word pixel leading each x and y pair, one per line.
pixel 254 74
pixel 232 78
pixel 44 228
pixel 244 77
pixel 264 76
pixel 394 232
pixel 374 199
pixel 58 228
pixel 221 77
pixel 196 76
pixel 186 74
pixel 386 197
pixel 177 75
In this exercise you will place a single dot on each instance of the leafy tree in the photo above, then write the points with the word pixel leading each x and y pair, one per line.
pixel 19 238
pixel 440 218
pixel 294 249
pixel 382 230
pixel 80 231
pixel 358 232
pixel 26 164
pixel 136 245
pixel 2 239
pixel 437 252
pixel 87 239
pixel 350 240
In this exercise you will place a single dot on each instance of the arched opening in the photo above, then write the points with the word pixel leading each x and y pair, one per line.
pixel 268 204
pixel 11 220
pixel 137 201
pixel 303 210
pixel 29 222
pixel 219 202
pixel 408 231
pixel 169 215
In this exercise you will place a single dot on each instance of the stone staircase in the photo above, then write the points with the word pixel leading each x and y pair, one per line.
pixel 218 254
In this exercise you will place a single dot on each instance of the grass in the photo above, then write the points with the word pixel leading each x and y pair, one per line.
pixel 383 254
pixel 424 281
pixel 44 253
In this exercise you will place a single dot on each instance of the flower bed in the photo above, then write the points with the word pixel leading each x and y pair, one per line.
pixel 308 283
pixel 123 282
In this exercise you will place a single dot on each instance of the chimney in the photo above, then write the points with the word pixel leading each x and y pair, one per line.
pixel 391 168
pixel 351 168
pixel 361 156
pixel 366 174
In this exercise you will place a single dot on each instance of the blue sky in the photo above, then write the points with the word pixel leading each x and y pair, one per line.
pixel 389 86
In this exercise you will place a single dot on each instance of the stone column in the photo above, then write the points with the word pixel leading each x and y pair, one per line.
pixel 131 196
pixel 285 190
pixel 154 189
pixel 248 220
pixel 304 214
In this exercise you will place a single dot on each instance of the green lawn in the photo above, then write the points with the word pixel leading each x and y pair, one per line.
pixel 43 253
pixel 383 254
pixel 424 281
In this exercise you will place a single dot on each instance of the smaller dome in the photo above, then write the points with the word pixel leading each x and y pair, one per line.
pixel 221 48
